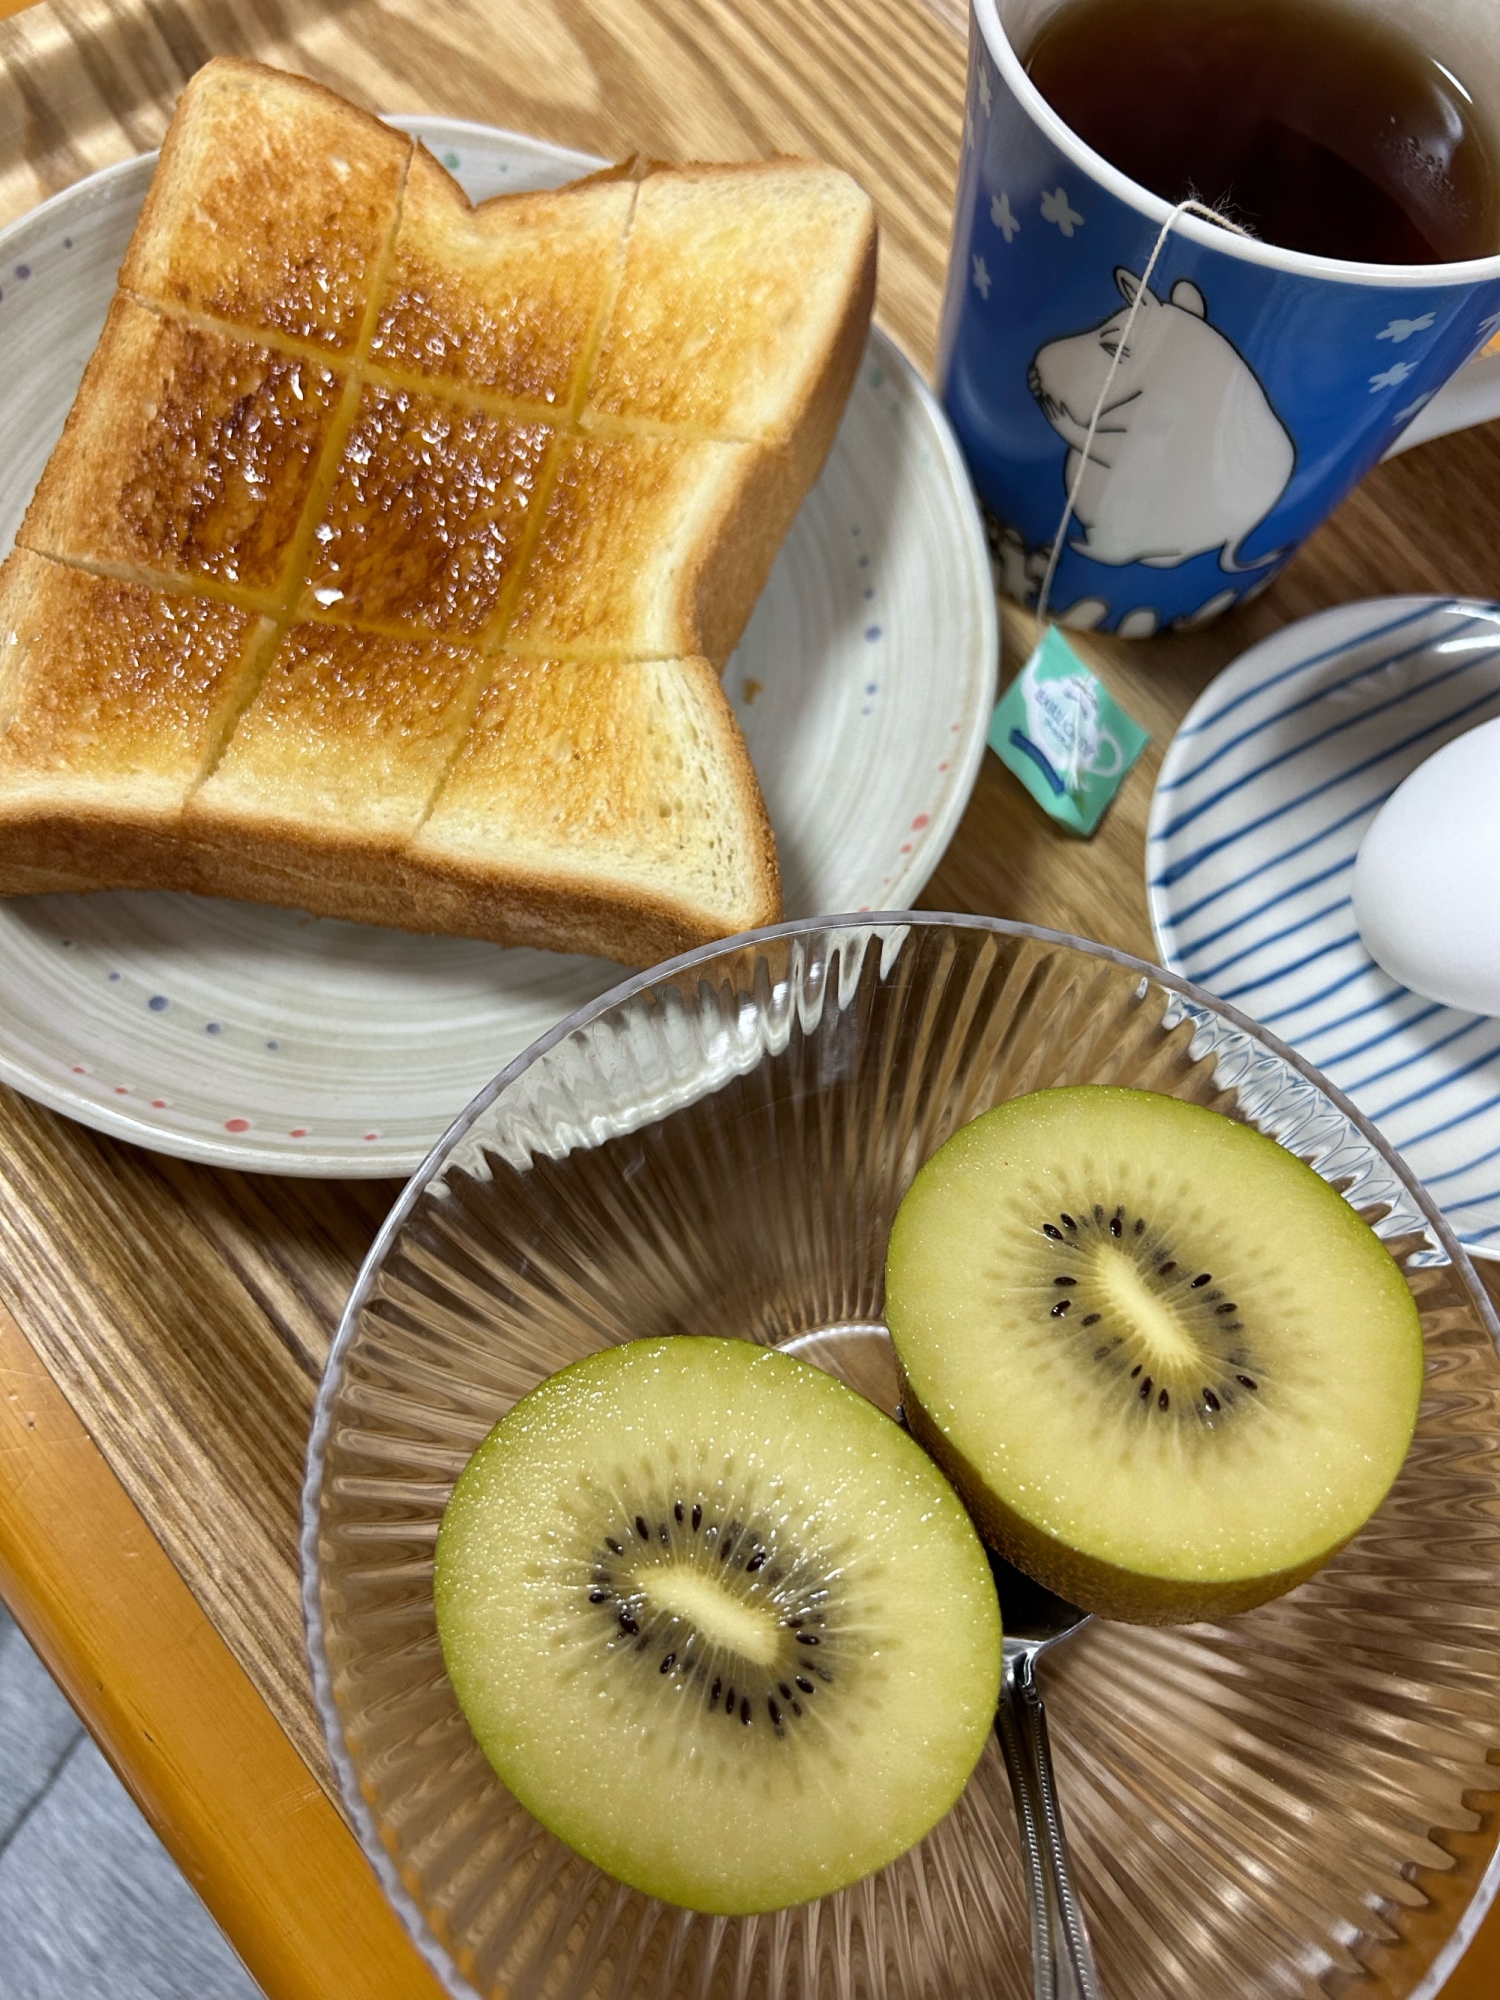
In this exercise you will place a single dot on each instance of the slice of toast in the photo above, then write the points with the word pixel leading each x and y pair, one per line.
pixel 389 552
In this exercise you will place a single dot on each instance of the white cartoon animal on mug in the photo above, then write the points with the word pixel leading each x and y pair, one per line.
pixel 1188 456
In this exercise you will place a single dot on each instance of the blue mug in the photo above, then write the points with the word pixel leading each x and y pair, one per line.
pixel 1257 387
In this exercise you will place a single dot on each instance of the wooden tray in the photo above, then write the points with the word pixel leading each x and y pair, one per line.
pixel 185 1314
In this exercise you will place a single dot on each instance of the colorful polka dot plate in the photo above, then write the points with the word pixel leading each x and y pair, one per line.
pixel 251 1037
pixel 1263 799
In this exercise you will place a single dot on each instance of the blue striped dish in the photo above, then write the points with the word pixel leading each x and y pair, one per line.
pixel 1263 799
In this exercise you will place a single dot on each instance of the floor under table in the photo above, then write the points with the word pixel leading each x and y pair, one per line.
pixel 91 1903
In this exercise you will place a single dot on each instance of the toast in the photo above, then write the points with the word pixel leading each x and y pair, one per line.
pixel 392 549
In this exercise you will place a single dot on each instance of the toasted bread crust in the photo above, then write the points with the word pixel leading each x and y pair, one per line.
pixel 45 848
pixel 822 411
pixel 751 517
pixel 467 505
pixel 45 852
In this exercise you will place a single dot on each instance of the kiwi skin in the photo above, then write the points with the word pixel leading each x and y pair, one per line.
pixel 1105 1588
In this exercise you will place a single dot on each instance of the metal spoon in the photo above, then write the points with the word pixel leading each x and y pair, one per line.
pixel 860 1354
pixel 1033 1620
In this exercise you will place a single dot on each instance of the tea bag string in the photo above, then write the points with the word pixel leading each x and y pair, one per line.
pixel 1189 207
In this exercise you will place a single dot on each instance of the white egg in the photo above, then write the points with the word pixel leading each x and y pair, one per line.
pixel 1427 880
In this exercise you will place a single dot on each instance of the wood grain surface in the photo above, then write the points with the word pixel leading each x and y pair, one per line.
pixel 185 1313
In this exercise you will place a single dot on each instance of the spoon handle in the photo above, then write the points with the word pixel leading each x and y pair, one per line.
pixel 1010 1728
pixel 1056 1915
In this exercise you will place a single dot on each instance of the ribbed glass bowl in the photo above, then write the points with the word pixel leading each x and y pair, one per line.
pixel 1302 1801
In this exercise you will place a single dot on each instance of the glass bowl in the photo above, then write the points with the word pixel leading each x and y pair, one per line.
pixel 1299 1802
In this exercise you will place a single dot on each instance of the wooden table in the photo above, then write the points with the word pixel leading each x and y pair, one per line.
pixel 162 1326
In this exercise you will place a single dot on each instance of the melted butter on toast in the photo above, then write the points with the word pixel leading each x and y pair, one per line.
pixel 390 539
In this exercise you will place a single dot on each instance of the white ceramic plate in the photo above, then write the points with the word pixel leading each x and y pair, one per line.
pixel 251 1037
pixel 1263 799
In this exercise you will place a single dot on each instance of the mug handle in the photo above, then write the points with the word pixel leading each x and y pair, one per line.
pixel 1472 396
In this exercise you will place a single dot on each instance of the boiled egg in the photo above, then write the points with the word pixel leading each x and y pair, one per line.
pixel 1427 878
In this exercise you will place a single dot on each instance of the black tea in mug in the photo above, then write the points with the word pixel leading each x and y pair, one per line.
pixel 1319 128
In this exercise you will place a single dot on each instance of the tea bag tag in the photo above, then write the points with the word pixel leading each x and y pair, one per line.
pixel 1057 726
pixel 1064 735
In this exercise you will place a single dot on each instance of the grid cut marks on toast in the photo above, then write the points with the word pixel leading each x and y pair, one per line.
pixel 549 311
pixel 451 441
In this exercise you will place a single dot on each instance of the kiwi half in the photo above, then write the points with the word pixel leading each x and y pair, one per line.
pixel 718 1622
pixel 1168 1367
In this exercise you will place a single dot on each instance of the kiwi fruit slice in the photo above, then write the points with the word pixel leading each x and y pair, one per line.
pixel 718 1622
pixel 1167 1366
